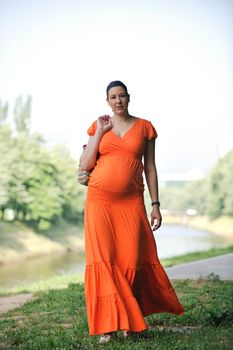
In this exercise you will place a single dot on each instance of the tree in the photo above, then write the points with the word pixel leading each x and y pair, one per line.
pixel 3 112
pixel 39 184
pixel 5 158
pixel 220 189
pixel 22 114
pixel 72 193
pixel 212 195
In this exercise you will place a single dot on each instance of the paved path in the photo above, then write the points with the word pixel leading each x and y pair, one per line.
pixel 14 301
pixel 221 265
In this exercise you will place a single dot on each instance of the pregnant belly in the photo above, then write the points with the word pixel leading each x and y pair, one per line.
pixel 117 174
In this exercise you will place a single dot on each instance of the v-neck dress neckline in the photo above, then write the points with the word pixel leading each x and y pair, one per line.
pixel 127 131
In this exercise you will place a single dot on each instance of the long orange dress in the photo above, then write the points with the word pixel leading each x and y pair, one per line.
pixel 124 280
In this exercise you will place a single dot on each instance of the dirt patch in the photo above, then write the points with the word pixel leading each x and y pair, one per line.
pixel 14 301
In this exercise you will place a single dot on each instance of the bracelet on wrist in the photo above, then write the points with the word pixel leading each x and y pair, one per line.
pixel 156 203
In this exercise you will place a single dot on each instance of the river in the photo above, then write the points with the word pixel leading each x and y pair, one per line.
pixel 172 240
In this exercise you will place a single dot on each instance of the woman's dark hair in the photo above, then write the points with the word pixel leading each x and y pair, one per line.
pixel 116 83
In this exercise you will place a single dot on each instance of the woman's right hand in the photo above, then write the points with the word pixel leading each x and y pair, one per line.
pixel 104 123
pixel 83 175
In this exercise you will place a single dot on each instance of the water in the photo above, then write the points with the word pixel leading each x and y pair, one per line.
pixel 172 240
pixel 40 268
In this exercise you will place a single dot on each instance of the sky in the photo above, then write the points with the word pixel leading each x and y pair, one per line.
pixel 175 56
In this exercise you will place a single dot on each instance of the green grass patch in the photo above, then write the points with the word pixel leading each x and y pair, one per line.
pixel 56 282
pixel 182 259
pixel 57 320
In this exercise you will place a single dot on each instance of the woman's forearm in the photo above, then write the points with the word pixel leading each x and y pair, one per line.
pixel 152 183
pixel 88 157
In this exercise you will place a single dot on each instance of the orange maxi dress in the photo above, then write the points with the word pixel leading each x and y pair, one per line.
pixel 124 280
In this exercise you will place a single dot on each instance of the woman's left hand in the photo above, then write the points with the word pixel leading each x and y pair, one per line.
pixel 156 215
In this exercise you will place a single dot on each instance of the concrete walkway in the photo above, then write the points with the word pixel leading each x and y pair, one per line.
pixel 221 265
pixel 14 301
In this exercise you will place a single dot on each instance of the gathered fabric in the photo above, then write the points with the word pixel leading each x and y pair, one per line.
pixel 124 279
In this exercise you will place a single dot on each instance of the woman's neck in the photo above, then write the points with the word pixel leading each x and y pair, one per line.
pixel 121 117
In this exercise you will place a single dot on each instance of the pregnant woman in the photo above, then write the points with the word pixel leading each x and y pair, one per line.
pixel 124 280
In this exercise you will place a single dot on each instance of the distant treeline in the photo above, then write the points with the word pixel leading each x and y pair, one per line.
pixel 37 184
pixel 212 195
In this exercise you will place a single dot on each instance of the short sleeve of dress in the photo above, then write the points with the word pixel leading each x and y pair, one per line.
pixel 91 130
pixel 150 131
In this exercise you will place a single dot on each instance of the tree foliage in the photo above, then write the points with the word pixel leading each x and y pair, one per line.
pixel 22 114
pixel 3 112
pixel 212 196
pixel 220 189
pixel 39 184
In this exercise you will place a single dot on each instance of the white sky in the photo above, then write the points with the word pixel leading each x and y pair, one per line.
pixel 174 56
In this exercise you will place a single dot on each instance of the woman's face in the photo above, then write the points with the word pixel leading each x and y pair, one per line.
pixel 118 100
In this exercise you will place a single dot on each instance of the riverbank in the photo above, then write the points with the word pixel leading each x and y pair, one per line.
pixel 19 241
pixel 222 226
pixel 63 281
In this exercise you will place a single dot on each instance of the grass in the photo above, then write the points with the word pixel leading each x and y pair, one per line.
pixel 57 320
pixel 56 282
pixel 182 259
